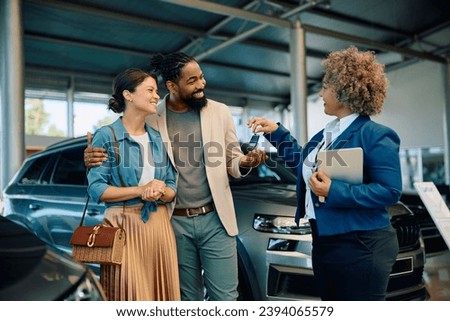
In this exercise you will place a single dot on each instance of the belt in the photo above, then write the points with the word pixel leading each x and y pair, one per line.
pixel 192 212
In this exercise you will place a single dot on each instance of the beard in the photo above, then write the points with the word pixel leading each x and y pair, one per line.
pixel 195 103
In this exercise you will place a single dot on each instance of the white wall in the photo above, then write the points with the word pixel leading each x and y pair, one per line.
pixel 413 108
pixel 415 104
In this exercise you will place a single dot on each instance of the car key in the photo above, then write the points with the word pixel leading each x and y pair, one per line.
pixel 253 142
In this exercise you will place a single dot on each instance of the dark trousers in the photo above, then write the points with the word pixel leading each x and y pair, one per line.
pixel 354 266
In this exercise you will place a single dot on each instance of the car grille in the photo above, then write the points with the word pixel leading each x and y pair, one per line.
pixel 408 232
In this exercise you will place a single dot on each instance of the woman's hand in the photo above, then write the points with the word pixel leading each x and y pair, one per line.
pixel 262 125
pixel 320 183
pixel 153 190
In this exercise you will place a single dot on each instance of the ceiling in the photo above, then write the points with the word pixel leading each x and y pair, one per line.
pixel 242 45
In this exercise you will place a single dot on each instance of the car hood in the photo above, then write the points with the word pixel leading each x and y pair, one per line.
pixel 267 192
pixel 25 262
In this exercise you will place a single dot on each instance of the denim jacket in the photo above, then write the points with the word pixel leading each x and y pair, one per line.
pixel 130 164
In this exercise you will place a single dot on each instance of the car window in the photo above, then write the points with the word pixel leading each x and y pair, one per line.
pixel 35 171
pixel 69 167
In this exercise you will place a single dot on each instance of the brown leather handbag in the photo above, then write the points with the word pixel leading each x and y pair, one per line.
pixel 98 244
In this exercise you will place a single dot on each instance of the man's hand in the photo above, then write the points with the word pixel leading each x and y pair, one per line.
pixel 93 156
pixel 253 159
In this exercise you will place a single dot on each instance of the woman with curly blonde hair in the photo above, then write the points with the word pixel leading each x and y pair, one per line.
pixel 354 243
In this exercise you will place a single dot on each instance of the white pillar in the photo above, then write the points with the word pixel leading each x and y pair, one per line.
pixel 298 82
pixel 12 101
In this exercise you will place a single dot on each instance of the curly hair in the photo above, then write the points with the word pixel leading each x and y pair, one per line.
pixel 358 80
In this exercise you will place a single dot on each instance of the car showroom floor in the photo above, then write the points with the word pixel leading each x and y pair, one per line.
pixel 437 276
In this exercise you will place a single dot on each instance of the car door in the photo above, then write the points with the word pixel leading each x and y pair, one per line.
pixel 62 207
pixel 50 195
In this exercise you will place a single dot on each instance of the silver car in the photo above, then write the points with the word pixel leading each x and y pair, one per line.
pixel 49 191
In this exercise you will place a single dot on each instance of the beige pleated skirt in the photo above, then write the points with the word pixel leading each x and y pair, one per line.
pixel 149 269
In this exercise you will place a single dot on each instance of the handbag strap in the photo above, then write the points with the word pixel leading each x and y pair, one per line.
pixel 116 151
pixel 85 207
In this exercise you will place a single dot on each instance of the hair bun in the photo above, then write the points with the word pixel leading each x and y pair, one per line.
pixel 156 62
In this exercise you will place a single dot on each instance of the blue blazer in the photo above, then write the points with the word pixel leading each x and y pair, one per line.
pixel 349 207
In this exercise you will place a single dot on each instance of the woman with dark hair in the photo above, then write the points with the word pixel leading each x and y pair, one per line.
pixel 135 185
pixel 354 244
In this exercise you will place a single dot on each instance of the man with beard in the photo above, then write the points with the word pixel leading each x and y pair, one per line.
pixel 203 146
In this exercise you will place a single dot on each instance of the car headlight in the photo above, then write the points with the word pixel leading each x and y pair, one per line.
pixel 280 224
pixel 88 289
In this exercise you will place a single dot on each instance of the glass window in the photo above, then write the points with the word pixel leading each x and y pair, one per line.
pixel 45 113
pixel 422 165
pixel 88 116
pixel 69 168
pixel 34 172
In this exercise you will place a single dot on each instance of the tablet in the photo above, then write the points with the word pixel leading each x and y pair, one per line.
pixel 345 164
